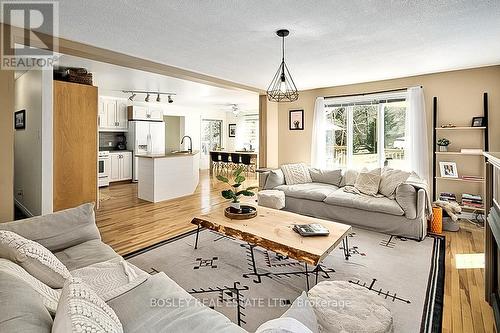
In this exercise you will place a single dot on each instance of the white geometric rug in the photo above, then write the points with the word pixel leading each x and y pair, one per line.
pixel 408 274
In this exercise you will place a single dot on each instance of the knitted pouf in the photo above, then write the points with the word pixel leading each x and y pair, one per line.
pixel 343 307
pixel 271 199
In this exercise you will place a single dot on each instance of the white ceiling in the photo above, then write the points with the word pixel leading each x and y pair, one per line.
pixel 112 79
pixel 332 42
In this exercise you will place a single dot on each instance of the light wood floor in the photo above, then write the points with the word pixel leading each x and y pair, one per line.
pixel 128 224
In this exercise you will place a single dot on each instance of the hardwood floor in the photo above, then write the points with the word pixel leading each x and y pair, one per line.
pixel 128 224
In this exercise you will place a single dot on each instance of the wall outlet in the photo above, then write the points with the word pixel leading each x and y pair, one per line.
pixel 110 144
pixel 20 192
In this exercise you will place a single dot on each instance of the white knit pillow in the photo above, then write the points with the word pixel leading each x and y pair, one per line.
pixel 368 182
pixel 50 297
pixel 34 258
pixel 82 310
pixel 296 173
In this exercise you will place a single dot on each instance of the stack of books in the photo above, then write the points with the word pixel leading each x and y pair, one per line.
pixel 447 196
pixel 472 200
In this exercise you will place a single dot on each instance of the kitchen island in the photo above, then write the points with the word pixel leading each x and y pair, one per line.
pixel 167 176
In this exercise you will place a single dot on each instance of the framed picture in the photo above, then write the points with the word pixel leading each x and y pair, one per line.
pixel 478 122
pixel 232 130
pixel 448 169
pixel 20 120
pixel 296 120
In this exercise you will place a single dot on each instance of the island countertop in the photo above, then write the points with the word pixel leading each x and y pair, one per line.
pixel 168 155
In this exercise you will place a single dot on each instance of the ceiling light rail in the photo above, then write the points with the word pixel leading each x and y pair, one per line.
pixel 133 94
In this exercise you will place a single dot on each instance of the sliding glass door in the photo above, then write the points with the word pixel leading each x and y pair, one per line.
pixel 366 133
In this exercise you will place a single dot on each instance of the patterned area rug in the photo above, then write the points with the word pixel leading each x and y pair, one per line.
pixel 409 275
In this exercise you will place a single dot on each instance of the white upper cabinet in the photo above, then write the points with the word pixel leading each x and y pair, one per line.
pixel 139 112
pixel 113 114
pixel 156 113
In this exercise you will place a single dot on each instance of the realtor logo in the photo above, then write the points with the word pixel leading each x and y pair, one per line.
pixel 34 46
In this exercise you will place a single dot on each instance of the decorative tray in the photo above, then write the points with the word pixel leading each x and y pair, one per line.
pixel 246 212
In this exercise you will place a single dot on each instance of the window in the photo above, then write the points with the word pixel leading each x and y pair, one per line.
pixel 366 131
pixel 247 132
pixel 211 135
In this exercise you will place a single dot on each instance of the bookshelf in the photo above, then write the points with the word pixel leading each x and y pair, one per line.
pixel 463 160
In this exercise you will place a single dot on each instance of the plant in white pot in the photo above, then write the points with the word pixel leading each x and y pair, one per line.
pixel 443 144
pixel 235 192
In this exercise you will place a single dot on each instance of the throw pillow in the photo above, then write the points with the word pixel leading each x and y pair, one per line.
pixel 302 310
pixel 350 176
pixel 283 325
pixel 34 258
pixel 21 309
pixel 333 177
pixel 368 182
pixel 296 173
pixel 390 180
pixel 275 178
pixel 81 310
pixel 48 296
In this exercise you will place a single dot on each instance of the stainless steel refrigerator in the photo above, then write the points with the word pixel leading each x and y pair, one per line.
pixel 145 137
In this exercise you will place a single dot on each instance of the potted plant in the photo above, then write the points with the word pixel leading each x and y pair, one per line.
pixel 443 144
pixel 235 192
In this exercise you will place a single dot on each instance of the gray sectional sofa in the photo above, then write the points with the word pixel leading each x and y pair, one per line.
pixel 404 215
pixel 73 237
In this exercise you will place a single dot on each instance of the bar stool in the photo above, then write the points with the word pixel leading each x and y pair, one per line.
pixel 224 161
pixel 246 160
pixel 215 159
pixel 235 159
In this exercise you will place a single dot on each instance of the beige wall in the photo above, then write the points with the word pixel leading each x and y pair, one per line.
pixel 7 145
pixel 172 132
pixel 460 97
pixel 28 144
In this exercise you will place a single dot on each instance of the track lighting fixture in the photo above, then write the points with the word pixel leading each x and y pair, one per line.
pixel 133 94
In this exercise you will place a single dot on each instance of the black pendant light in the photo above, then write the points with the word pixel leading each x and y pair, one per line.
pixel 282 87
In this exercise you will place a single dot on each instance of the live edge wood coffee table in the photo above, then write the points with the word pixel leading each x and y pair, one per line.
pixel 272 230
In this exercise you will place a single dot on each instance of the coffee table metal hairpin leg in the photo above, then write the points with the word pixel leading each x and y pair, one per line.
pixel 345 246
pixel 197 234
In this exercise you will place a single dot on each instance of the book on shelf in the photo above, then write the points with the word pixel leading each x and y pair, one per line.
pixel 472 151
pixel 472 200
pixel 447 196
pixel 472 178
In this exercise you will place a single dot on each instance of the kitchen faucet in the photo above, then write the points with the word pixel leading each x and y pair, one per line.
pixel 190 149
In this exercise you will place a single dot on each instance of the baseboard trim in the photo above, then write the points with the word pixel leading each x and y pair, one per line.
pixel 23 208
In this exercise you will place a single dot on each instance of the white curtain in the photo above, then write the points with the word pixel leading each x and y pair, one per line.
pixel 417 148
pixel 318 144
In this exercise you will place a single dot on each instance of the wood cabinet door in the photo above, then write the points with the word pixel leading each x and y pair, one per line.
pixel 74 144
pixel 126 166
pixel 103 120
pixel 114 173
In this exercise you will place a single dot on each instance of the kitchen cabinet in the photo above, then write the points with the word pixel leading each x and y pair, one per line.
pixel 138 112
pixel 120 166
pixel 113 114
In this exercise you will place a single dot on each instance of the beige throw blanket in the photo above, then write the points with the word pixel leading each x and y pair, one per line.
pixel 111 278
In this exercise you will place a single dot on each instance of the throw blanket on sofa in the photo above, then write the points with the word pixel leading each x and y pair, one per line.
pixel 419 183
pixel 111 278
